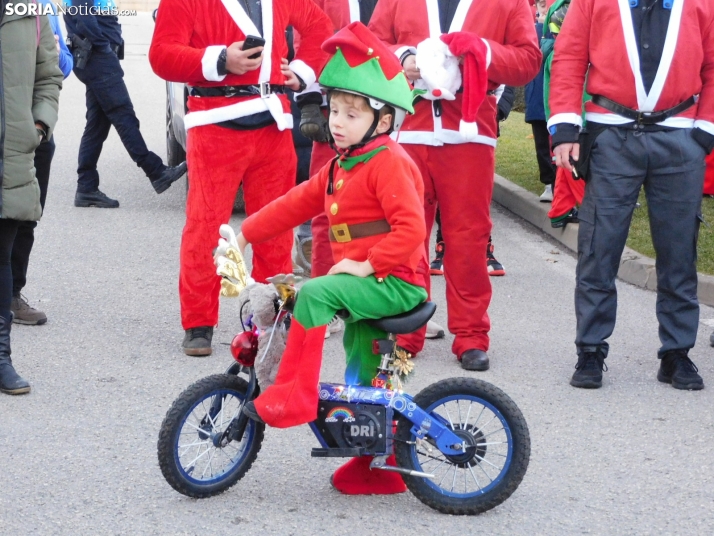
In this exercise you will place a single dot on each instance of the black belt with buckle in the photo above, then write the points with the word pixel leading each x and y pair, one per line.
pixel 259 90
pixel 643 118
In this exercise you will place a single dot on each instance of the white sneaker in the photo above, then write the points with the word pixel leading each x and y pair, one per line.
pixel 547 195
pixel 434 330
pixel 335 326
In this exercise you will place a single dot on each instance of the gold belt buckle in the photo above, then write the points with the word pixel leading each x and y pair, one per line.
pixel 341 232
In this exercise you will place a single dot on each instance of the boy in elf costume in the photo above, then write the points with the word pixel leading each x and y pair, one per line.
pixel 314 126
pixel 373 195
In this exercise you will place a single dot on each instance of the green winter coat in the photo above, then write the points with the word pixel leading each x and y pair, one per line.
pixel 30 84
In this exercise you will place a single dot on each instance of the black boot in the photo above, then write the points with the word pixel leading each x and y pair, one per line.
pixel 168 176
pixel 10 382
pixel 588 370
pixel 676 368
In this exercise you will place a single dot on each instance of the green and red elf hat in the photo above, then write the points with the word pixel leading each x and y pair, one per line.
pixel 363 65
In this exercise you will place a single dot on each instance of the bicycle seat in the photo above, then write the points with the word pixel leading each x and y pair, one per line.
pixel 405 322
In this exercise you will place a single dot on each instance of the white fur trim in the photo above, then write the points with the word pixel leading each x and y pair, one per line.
pixel 488 53
pixel 240 17
pixel 241 109
pixel 437 139
pixel 670 44
pixel 432 14
pixel 209 63
pixel 246 25
pixel 498 92
pixel 354 10
pixel 706 126
pixel 402 50
pixel 312 88
pixel 648 102
pixel 606 119
pixel 614 119
pixel 573 119
pixel 457 23
pixel 304 71
pixel 469 131
pixel 266 67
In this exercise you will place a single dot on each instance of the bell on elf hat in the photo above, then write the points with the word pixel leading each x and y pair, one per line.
pixel 361 64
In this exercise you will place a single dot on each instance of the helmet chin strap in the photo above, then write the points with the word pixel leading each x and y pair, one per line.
pixel 365 139
pixel 344 153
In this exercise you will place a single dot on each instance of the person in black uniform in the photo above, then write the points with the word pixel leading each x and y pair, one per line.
pixel 97 47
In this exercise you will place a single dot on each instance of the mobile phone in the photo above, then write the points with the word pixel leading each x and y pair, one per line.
pixel 252 41
pixel 574 171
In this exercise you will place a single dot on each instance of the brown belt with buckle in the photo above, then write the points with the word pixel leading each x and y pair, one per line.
pixel 345 233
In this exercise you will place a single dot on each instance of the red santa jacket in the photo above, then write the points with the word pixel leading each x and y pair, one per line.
pixel 387 187
pixel 599 34
pixel 341 12
pixel 190 35
pixel 514 57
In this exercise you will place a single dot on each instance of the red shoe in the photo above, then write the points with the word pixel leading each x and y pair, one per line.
pixel 293 399
pixel 356 478
pixel 494 267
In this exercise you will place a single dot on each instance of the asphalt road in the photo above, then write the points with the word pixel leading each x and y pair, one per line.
pixel 79 452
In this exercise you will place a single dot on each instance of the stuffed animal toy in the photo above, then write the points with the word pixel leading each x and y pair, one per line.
pixel 259 306
pixel 439 68
pixel 438 62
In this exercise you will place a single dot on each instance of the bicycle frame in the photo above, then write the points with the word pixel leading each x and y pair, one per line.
pixel 425 425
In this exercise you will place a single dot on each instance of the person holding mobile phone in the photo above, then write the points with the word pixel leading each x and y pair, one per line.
pixel 238 127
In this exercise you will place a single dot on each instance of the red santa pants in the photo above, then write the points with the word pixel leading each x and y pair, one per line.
pixel 568 193
pixel 709 176
pixel 322 259
pixel 459 180
pixel 219 159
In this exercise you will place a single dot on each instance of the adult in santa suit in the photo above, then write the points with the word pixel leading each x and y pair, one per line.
pixel 314 124
pixel 457 164
pixel 646 61
pixel 238 126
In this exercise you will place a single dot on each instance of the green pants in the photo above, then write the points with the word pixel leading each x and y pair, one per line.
pixel 364 298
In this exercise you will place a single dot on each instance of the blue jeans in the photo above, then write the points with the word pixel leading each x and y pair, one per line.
pixel 109 104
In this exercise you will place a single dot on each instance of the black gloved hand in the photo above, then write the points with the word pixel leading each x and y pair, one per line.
pixel 313 123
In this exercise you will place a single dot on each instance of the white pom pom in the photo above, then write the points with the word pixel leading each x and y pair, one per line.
pixel 469 131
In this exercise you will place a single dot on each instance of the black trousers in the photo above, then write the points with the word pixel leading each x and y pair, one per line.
pixel 541 137
pixel 26 229
pixel 8 231
pixel 670 167
pixel 109 104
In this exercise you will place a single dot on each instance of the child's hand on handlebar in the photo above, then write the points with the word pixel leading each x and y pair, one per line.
pixel 348 266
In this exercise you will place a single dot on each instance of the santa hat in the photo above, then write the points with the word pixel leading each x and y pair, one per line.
pixel 362 64
pixel 475 77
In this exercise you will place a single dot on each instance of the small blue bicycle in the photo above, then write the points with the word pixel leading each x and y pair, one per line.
pixel 462 445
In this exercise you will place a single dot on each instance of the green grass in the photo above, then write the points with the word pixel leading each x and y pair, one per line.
pixel 516 161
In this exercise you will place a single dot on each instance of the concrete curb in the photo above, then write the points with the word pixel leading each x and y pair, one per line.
pixel 634 268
